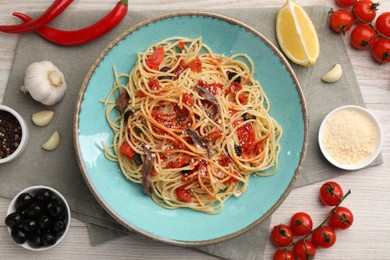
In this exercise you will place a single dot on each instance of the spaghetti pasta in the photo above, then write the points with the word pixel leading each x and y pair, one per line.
pixel 191 125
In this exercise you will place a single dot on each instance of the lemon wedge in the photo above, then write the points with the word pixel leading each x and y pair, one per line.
pixel 296 34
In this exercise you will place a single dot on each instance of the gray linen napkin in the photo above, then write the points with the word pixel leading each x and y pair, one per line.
pixel 59 169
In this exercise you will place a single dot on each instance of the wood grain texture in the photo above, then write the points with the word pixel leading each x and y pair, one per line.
pixel 370 199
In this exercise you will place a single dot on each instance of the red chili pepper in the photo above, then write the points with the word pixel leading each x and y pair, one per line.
pixel 34 24
pixel 85 35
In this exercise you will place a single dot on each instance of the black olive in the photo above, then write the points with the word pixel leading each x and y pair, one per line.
pixel 33 210
pixel 19 235
pixel 165 69
pixel 137 159
pixel 44 221
pixel 49 238
pixel 128 114
pixel 44 196
pixel 231 75
pixel 57 210
pixel 34 240
pixel 59 227
pixel 23 201
pixel 185 172
pixel 51 204
pixel 247 116
pixel 238 150
pixel 14 219
pixel 29 225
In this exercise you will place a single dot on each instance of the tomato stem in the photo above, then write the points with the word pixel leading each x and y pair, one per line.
pixel 333 211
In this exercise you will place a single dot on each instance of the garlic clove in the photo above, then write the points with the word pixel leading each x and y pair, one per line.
pixel 45 82
pixel 333 75
pixel 53 142
pixel 42 118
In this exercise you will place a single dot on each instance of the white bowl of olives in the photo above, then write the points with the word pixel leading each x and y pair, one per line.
pixel 38 218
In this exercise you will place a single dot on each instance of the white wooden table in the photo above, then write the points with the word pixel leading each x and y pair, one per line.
pixel 370 199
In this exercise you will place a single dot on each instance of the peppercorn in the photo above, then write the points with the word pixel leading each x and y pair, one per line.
pixel 10 134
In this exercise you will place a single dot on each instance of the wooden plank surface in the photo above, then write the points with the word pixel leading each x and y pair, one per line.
pixel 369 201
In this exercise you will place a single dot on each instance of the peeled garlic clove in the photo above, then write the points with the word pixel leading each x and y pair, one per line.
pixel 53 142
pixel 42 118
pixel 333 75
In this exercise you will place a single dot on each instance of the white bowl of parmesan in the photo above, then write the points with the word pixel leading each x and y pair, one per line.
pixel 350 137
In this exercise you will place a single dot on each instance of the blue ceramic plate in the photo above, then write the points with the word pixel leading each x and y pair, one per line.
pixel 125 200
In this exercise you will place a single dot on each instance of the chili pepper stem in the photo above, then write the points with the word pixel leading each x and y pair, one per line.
pixel 124 2
pixel 333 211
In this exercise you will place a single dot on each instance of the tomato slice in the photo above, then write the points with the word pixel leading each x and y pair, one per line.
pixel 234 87
pixel 155 58
pixel 126 149
pixel 188 100
pixel 154 84
pixel 214 135
pixel 180 68
pixel 246 132
pixel 224 160
pixel 195 65
pixel 181 45
pixel 183 194
pixel 183 161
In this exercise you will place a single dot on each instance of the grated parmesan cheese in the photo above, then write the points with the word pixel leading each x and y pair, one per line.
pixel 349 136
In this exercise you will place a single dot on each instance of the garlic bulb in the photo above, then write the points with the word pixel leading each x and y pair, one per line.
pixel 45 82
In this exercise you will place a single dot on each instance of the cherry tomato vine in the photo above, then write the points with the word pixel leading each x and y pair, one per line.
pixel 323 236
pixel 367 33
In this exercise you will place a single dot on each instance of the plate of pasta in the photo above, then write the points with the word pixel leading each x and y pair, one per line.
pixel 190 137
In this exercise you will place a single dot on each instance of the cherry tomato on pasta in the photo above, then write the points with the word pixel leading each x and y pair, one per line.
pixel 381 50
pixel 304 249
pixel 382 24
pixel 282 235
pixel 331 193
pixel 342 218
pixel 283 254
pixel 365 10
pixel 341 20
pixel 324 237
pixel 301 223
pixel 155 58
pixel 345 3
pixel 363 37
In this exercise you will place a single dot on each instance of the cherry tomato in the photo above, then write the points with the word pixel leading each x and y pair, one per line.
pixel 187 99
pixel 365 10
pixel 154 84
pixel 282 235
pixel 195 65
pixel 342 218
pixel 341 20
pixel 381 50
pixel 345 3
pixel 283 255
pixel 155 58
pixel 324 237
pixel 301 223
pixel 331 193
pixel 246 132
pixel 304 250
pixel 382 24
pixel 183 194
pixel 363 37
pixel 126 149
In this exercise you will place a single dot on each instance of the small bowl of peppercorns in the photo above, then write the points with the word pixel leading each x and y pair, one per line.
pixel 38 218
pixel 13 134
